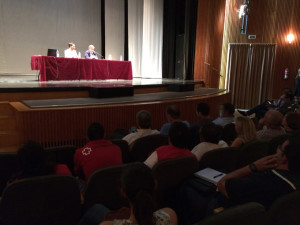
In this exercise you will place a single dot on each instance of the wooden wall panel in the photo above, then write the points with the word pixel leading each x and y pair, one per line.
pixel 269 20
pixel 60 126
pixel 209 40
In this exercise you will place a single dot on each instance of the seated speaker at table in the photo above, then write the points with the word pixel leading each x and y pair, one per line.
pixel 91 53
pixel 71 52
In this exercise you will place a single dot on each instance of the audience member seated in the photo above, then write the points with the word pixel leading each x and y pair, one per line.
pixel 143 119
pixel 281 105
pixel 172 114
pixel 178 137
pixel 96 154
pixel 229 133
pixel 245 130
pixel 291 122
pixel 137 185
pixel 210 140
pixel 203 118
pixel 32 163
pixel 266 179
pixel 226 115
pixel 263 181
pixel 270 125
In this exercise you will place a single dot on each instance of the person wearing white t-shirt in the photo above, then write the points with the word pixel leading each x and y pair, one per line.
pixel 144 120
pixel 210 140
pixel 71 52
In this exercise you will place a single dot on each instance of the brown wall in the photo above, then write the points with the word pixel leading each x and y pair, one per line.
pixel 209 40
pixel 67 125
pixel 269 20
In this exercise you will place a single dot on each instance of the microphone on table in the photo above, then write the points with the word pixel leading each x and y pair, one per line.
pixel 101 56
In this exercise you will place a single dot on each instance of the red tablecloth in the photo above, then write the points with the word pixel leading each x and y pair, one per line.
pixel 59 68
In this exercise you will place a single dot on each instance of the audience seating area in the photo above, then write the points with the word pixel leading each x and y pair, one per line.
pixel 170 173
pixel 41 200
pixel 222 159
pixel 104 187
pixel 285 210
pixel 141 148
pixel 251 152
pixel 246 214
pixel 61 203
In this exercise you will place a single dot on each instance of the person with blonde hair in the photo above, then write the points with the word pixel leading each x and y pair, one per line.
pixel 245 130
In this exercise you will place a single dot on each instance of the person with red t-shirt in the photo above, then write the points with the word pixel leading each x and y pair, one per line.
pixel 178 139
pixel 96 154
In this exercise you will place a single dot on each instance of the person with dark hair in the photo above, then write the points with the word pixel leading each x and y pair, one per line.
pixel 144 120
pixel 203 118
pixel 226 114
pixel 229 133
pixel 32 163
pixel 172 114
pixel 267 178
pixel 282 105
pixel 291 122
pixel 137 185
pixel 262 181
pixel 96 154
pixel 178 138
pixel 210 140
pixel 71 52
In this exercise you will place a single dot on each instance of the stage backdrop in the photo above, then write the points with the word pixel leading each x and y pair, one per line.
pixel 145 37
pixel 30 27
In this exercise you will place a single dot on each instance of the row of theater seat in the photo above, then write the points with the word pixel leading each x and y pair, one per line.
pixel 284 211
pixel 225 160
pixel 56 199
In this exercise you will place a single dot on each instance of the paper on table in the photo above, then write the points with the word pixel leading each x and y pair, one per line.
pixel 210 175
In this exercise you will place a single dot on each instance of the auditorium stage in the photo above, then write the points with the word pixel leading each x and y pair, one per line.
pixel 58 113
pixel 20 88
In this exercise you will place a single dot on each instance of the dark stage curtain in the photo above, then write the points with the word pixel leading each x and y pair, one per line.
pixel 180 20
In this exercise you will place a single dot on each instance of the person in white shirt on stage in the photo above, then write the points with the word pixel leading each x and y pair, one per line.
pixel 91 54
pixel 71 52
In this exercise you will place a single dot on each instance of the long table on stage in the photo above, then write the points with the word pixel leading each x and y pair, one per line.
pixel 60 68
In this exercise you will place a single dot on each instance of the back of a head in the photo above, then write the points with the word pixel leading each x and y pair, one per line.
pixel 273 118
pixel 287 91
pixel 292 120
pixel 173 111
pixel 144 119
pixel 138 184
pixel 229 108
pixel 289 95
pixel 245 128
pixel 95 131
pixel 292 153
pixel 229 133
pixel 178 134
pixel 203 108
pixel 31 159
pixel 210 133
